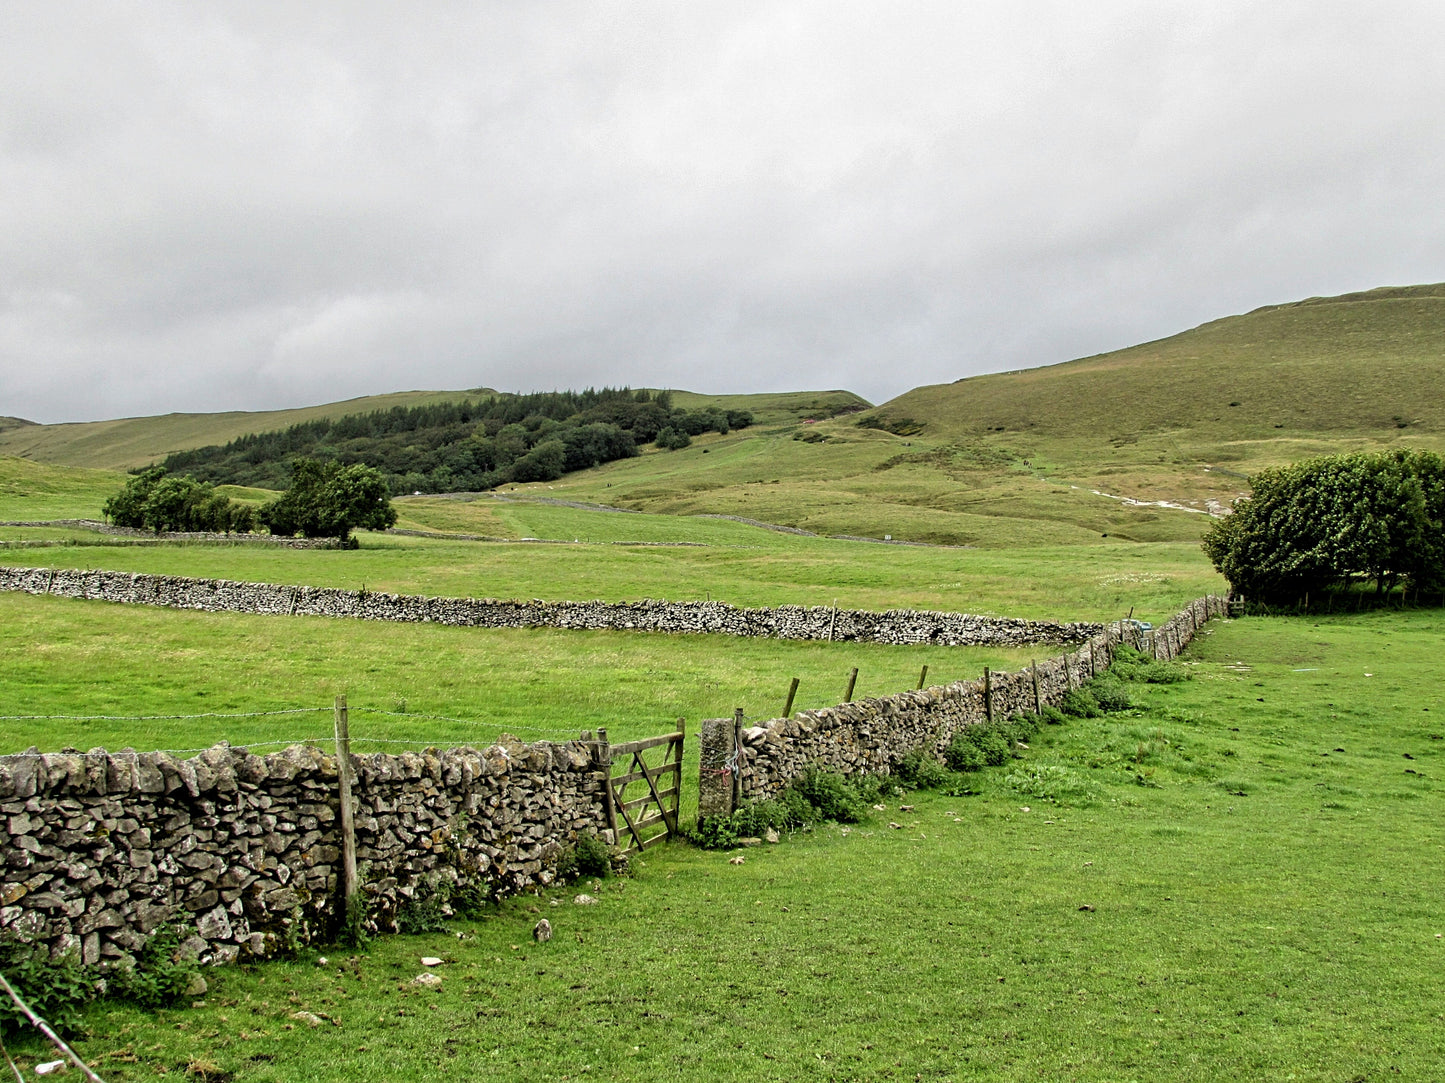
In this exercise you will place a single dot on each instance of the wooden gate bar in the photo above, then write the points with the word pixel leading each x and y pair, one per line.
pixel 661 803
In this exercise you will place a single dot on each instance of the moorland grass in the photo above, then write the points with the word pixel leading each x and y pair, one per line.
pixel 1250 892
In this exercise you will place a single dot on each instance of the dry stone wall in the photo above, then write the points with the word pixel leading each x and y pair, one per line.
pixel 897 626
pixel 874 734
pixel 104 847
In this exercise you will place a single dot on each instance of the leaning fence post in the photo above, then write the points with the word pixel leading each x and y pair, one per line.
pixel 852 680
pixel 987 694
pixel 792 691
pixel 1038 699
pixel 923 676
pixel 348 820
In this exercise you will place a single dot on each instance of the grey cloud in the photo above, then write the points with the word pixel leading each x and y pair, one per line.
pixel 260 205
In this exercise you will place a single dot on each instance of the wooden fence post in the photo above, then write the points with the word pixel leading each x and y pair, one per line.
pixel 738 754
pixel 1038 699
pixel 833 620
pixel 609 799
pixel 792 691
pixel 987 694
pixel 852 680
pixel 348 821
pixel 923 676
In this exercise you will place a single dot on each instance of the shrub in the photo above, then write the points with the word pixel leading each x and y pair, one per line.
pixel 963 754
pixel 832 796
pixel 593 857
pixel 1110 693
pixel 1132 665
pixel 55 987
pixel 1023 727
pixel 1080 703
pixel 1053 716
pixel 921 770
pixel 161 974
pixel 791 810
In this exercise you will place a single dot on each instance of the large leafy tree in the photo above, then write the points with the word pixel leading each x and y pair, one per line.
pixel 328 500
pixel 155 500
pixel 1329 521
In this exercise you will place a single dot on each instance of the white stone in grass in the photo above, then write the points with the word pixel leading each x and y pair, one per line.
pixel 428 979
pixel 772 836
pixel 309 1018
pixel 584 900
pixel 430 960
pixel 49 1067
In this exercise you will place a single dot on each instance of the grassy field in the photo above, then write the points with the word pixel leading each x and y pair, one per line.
pixel 1064 582
pixel 1244 884
pixel 64 657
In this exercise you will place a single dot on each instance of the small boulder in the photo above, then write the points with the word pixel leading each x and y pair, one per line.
pixel 542 931
pixel 311 1019
pixel 584 900
pixel 430 960
pixel 427 979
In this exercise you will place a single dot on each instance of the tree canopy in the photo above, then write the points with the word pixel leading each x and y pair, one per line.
pixel 468 445
pixel 1327 522
pixel 156 500
pixel 328 500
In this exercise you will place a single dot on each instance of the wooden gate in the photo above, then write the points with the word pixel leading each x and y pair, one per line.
pixel 635 821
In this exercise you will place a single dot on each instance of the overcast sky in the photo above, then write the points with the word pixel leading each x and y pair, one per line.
pixel 211 206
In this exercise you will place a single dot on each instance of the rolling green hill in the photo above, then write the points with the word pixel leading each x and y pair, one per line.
pixel 1044 456
pixel 1049 455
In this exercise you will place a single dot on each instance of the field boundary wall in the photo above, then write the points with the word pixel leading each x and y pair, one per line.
pixel 872 735
pixel 104 847
pixel 828 623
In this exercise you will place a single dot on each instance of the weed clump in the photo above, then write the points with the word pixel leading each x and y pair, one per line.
pixel 1133 665
pixel 816 796
pixel 161 974
pixel 974 747
pixel 1049 782
pixel 1110 693
pixel 55 987
pixel 920 770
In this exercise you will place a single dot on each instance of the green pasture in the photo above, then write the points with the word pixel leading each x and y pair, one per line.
pixel 722 560
pixel 421 684
pixel 1238 879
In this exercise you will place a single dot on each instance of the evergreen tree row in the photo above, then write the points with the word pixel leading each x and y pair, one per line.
pixel 466 446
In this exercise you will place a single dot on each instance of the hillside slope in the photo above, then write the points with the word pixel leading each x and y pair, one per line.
pixel 1052 454
pixel 138 441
